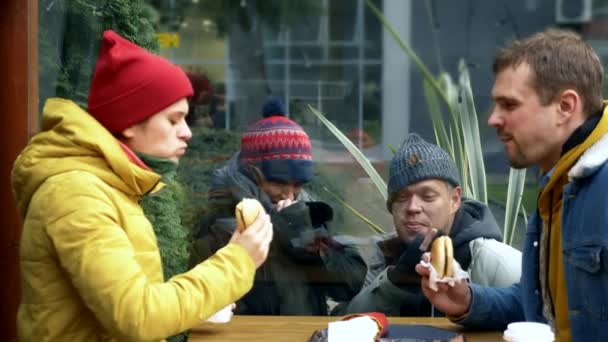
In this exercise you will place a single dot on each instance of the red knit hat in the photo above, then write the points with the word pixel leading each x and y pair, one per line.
pixel 131 84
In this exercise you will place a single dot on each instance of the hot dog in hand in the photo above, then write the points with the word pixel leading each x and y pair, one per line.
pixel 442 257
pixel 246 212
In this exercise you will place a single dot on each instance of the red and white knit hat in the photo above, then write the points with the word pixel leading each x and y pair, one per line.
pixel 278 146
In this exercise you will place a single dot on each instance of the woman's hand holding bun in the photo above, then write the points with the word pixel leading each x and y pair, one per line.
pixel 246 212
pixel 254 230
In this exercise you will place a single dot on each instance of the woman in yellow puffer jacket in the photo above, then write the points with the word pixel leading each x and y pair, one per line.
pixel 90 265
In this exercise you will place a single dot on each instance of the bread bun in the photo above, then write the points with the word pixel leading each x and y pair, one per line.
pixel 246 212
pixel 442 257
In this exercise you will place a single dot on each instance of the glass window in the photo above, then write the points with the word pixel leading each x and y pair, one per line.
pixel 332 55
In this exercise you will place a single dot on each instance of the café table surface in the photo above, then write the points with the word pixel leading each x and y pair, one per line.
pixel 301 328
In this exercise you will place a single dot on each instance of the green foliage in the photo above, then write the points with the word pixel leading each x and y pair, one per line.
pixel 461 139
pixel 207 150
pixel 70 40
pixel 163 210
pixel 514 199
pixel 498 192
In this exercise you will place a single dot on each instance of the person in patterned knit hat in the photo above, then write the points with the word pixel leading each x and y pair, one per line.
pixel 279 148
pixel 273 166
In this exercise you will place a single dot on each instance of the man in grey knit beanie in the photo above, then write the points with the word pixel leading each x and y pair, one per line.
pixel 424 193
pixel 418 160
pixel 423 189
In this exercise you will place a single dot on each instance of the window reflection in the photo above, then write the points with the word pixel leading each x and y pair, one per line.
pixel 330 54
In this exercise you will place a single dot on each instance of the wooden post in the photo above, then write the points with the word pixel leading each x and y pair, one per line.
pixel 18 100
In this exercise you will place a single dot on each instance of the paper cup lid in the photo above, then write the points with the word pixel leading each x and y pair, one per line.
pixel 528 331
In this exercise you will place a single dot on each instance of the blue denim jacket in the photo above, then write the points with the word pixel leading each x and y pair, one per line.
pixel 585 251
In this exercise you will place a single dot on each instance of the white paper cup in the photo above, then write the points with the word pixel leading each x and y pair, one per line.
pixel 222 316
pixel 528 332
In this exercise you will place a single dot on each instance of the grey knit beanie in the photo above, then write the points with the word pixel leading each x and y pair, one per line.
pixel 418 160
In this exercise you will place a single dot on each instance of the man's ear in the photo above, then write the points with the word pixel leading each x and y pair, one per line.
pixel 455 199
pixel 569 105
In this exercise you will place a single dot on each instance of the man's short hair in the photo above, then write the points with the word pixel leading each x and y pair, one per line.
pixel 559 60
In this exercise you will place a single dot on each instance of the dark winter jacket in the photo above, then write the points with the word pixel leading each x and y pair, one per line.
pixel 293 280
pixel 477 248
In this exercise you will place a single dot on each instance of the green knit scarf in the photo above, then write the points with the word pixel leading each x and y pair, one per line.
pixel 163 210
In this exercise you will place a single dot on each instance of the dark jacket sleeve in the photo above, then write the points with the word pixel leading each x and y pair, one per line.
pixel 384 296
pixel 291 227
pixel 348 269
pixel 212 233
pixel 339 268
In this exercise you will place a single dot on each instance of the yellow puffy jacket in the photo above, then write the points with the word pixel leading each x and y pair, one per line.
pixel 90 266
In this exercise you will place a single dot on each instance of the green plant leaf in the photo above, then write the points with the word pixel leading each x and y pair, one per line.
pixel 356 153
pixel 470 134
pixel 451 92
pixel 392 149
pixel 441 135
pixel 457 148
pixel 375 228
pixel 515 189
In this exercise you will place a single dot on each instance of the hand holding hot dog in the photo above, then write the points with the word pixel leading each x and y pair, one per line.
pixel 442 257
pixel 254 230
pixel 451 300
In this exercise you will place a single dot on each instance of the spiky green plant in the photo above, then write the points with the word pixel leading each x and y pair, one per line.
pixel 459 136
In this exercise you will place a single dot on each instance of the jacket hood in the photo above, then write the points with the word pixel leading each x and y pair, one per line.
pixel 581 160
pixel 474 220
pixel 72 140
pixel 593 158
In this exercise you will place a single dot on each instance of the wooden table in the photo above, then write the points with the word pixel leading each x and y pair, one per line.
pixel 300 328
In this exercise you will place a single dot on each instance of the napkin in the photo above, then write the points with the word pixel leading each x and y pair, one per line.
pixel 363 327
pixel 374 327
pixel 459 273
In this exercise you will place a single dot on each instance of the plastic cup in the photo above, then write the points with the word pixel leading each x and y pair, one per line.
pixel 528 332
pixel 222 316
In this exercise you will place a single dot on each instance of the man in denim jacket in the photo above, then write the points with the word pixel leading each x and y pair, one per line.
pixel 549 112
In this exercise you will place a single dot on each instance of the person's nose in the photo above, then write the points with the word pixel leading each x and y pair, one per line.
pixel 414 205
pixel 495 120
pixel 185 133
